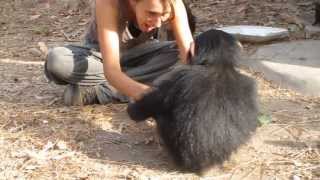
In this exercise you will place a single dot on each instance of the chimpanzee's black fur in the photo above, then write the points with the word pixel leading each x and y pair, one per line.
pixel 206 110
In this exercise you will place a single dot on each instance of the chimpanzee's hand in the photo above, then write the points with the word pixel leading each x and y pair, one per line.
pixel 147 106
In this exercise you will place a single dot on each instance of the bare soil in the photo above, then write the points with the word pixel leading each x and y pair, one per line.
pixel 40 138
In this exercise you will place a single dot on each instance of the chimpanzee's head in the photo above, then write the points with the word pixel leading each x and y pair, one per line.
pixel 215 47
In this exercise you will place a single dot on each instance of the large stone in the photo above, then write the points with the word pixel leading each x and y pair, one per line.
pixel 294 65
pixel 256 34
pixel 311 31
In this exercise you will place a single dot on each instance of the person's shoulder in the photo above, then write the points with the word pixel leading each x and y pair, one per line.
pixel 108 7
pixel 109 3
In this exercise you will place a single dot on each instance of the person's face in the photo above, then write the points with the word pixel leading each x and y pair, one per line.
pixel 150 14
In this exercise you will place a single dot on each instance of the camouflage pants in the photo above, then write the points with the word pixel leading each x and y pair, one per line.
pixel 83 65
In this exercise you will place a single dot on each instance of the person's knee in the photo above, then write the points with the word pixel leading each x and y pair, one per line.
pixel 58 62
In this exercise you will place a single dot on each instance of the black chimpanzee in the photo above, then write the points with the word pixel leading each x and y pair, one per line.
pixel 206 110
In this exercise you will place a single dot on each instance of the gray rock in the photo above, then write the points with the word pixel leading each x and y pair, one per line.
pixel 256 34
pixel 35 52
pixel 311 30
pixel 293 65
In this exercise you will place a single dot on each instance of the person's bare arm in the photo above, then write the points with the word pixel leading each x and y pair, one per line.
pixel 107 12
pixel 182 31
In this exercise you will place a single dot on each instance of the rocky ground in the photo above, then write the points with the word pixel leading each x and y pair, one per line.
pixel 40 138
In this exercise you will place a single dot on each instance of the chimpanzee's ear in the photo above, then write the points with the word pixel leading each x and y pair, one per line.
pixel 148 106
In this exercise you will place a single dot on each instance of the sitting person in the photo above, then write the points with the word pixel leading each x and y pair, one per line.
pixel 121 54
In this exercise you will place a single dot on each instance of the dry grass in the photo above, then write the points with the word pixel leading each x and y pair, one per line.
pixel 45 140
pixel 40 138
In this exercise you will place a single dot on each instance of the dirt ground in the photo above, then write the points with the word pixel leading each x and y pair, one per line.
pixel 40 138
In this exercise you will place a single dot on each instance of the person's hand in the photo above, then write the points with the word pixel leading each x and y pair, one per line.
pixel 186 56
pixel 142 92
pixel 191 53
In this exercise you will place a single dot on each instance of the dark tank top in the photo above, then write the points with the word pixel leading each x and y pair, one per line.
pixel 129 35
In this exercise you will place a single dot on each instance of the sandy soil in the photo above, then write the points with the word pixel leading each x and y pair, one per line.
pixel 40 138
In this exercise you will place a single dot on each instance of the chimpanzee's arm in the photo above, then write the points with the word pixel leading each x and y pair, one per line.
pixel 157 100
pixel 147 106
